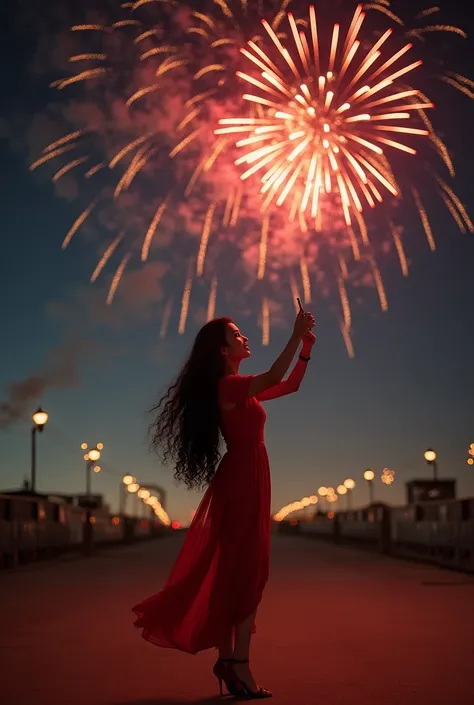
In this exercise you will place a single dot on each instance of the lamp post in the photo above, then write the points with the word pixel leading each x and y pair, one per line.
pixel 143 494
pixel 133 487
pixel 350 484
pixel 470 460
pixel 40 419
pixel 430 457
pixel 342 490
pixel 369 476
pixel 91 457
pixel 126 481
pixel 322 492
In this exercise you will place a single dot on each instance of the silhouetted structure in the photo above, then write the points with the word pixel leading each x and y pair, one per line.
pixel 430 490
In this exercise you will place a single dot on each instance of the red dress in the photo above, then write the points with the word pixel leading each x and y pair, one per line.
pixel 219 575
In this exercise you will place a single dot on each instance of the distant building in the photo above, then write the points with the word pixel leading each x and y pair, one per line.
pixel 95 501
pixel 430 490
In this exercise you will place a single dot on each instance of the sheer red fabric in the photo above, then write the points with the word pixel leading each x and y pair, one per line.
pixel 221 571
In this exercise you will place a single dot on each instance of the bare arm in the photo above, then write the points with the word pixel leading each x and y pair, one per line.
pixel 260 383
pixel 287 386
pixel 292 384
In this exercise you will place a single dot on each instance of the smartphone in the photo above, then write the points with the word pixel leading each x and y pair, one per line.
pixel 299 304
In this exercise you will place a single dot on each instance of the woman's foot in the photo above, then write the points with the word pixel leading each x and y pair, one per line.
pixel 244 674
pixel 224 673
pixel 241 669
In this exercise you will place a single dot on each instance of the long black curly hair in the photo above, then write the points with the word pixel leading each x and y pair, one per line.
pixel 186 428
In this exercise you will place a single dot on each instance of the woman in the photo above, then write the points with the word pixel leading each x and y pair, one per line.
pixel 216 584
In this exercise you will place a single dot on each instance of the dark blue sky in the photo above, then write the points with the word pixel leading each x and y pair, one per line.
pixel 410 386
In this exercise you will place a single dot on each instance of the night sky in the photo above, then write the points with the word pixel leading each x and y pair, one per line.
pixel 409 387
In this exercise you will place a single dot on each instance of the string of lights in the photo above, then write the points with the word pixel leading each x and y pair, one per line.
pixel 330 495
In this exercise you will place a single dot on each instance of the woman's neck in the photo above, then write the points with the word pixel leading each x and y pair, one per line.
pixel 232 366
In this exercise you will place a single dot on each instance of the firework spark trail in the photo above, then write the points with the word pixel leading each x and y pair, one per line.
pixel 424 220
pixel 106 256
pixel 211 306
pixel 77 224
pixel 319 138
pixel 345 304
pixel 263 247
pixel 117 277
pixel 306 152
pixel 294 292
pixel 305 281
pixel 185 305
pixel 347 340
pixel 205 239
pixel 379 285
pixel 152 230
pixel 400 251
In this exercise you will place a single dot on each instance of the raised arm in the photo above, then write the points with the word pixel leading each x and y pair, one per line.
pixel 261 383
pixel 235 389
pixel 292 384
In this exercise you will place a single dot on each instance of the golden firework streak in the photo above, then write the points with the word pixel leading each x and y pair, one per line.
pixel 317 140
pixel 64 140
pixel 152 230
pixel 347 340
pixel 141 93
pixel 305 281
pixel 294 292
pixel 401 252
pixel 77 224
pixel 263 246
pixel 117 277
pixel 185 305
pixel 83 76
pixel 184 143
pixel 457 203
pixel 424 219
pixel 206 231
pixel 211 306
pixel 67 168
pixel 106 256
pixel 346 309
pixel 51 155
pixel 379 285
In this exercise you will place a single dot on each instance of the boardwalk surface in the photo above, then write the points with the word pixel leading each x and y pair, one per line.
pixel 337 626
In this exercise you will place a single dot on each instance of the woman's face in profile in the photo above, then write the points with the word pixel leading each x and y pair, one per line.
pixel 237 344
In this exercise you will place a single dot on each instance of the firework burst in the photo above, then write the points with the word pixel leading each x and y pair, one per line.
pixel 163 130
pixel 329 134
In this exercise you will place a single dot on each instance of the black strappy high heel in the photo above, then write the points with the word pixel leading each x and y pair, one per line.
pixel 223 672
pixel 246 693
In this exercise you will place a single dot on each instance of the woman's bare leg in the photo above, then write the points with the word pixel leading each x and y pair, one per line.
pixel 243 635
pixel 226 647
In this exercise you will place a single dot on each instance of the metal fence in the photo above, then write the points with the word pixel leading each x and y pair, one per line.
pixel 33 528
pixel 440 532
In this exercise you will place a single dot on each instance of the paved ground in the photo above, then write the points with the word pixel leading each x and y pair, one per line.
pixel 337 626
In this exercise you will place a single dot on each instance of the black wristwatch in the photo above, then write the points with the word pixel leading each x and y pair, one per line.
pixel 305 359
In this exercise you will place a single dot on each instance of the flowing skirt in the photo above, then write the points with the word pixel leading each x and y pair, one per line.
pixel 219 576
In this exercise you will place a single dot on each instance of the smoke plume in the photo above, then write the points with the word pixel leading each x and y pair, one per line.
pixel 60 370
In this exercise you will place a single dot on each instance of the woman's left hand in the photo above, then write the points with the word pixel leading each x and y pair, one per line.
pixel 309 340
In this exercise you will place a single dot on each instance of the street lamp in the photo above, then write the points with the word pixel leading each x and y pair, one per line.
pixel 342 490
pixel 369 476
pixel 430 457
pixel 40 419
pixel 91 457
pixel 127 480
pixel 470 460
pixel 350 484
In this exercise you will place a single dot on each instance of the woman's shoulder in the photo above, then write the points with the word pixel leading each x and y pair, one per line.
pixel 234 387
